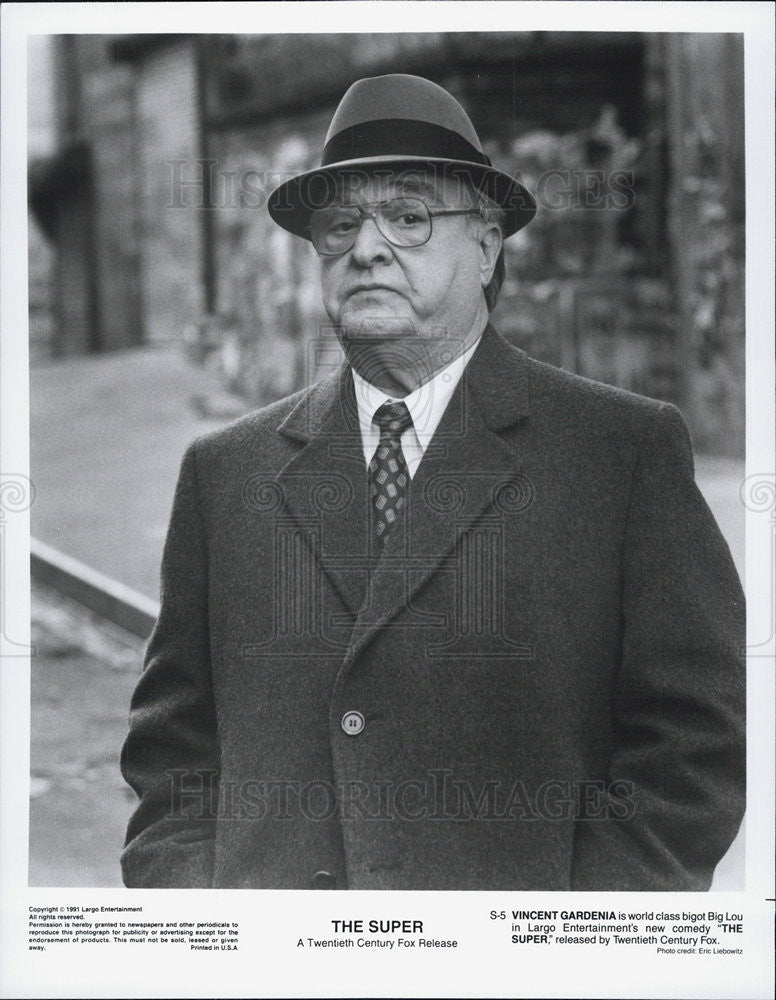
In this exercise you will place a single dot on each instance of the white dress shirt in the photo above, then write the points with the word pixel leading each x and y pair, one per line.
pixel 426 404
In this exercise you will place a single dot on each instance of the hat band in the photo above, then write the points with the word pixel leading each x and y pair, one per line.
pixel 399 137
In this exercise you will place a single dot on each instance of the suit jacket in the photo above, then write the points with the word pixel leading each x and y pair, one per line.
pixel 539 685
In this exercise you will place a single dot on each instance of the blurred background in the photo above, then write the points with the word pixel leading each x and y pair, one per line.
pixel 163 302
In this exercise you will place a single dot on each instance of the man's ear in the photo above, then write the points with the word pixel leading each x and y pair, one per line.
pixel 490 243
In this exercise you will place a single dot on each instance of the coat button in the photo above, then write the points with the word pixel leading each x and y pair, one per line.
pixel 324 880
pixel 352 723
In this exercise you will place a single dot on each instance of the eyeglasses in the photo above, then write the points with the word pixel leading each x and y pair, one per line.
pixel 404 222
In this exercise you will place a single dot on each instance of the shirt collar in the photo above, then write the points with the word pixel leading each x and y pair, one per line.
pixel 426 404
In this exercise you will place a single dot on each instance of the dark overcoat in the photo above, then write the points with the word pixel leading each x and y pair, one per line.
pixel 539 685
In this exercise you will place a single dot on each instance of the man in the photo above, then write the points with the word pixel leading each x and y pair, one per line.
pixel 450 618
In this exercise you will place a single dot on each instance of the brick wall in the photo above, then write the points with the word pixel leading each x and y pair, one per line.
pixel 90 201
pixel 108 93
pixel 168 148
pixel 705 100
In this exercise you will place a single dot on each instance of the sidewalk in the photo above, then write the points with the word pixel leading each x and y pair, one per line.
pixel 83 675
pixel 107 434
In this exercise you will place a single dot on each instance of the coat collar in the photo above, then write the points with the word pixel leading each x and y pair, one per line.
pixel 498 380
pixel 496 376
pixel 461 475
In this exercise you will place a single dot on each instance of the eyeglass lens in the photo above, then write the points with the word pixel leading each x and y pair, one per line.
pixel 404 222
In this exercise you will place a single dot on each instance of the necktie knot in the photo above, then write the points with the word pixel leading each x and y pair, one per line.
pixel 393 419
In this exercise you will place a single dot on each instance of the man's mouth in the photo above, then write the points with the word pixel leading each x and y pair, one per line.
pixel 370 288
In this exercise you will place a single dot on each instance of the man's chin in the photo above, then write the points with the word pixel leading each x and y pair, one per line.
pixel 393 358
pixel 377 328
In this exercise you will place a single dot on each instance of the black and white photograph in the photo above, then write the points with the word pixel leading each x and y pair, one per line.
pixel 399 457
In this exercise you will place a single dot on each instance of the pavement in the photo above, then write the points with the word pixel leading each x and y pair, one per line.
pixel 79 803
pixel 107 436
pixel 107 433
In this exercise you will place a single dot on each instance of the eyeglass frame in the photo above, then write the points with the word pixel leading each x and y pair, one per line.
pixel 376 205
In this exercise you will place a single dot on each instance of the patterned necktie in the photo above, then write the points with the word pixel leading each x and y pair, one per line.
pixel 388 476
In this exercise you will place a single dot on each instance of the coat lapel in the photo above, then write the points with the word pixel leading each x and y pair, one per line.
pixel 323 487
pixel 467 470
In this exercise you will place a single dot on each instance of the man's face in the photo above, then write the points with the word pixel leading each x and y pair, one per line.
pixel 379 292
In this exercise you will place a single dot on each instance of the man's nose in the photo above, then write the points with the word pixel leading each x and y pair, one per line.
pixel 370 246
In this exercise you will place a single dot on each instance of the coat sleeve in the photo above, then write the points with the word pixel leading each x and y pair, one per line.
pixel 679 697
pixel 170 757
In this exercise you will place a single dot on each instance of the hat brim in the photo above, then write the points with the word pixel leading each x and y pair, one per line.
pixel 291 204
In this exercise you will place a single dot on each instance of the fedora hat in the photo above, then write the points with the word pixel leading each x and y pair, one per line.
pixel 399 121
